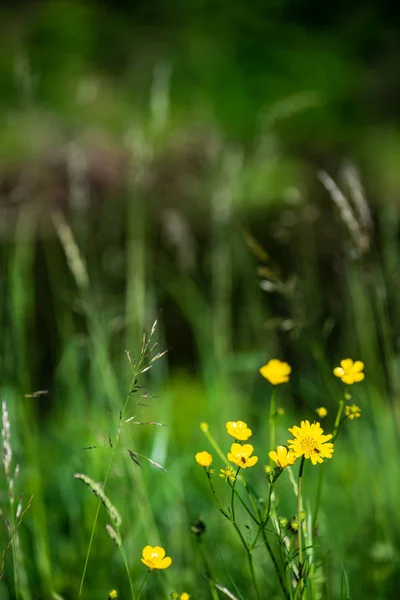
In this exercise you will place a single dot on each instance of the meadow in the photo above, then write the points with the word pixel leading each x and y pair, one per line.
pixel 165 233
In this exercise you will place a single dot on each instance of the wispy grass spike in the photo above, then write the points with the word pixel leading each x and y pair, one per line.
pixel 114 535
pixel 99 492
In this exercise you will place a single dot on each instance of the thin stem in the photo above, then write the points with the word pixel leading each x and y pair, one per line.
pixel 299 536
pixel 143 582
pixel 123 553
pixel 272 416
pixel 114 447
pixel 273 558
pixel 233 497
pixel 249 558
pixel 319 494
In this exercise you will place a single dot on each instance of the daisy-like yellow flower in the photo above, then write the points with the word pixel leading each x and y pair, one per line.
pixel 238 430
pixel 276 371
pixel 282 456
pixel 154 558
pixel 353 411
pixel 310 442
pixel 240 455
pixel 349 371
pixel 112 595
pixel 204 459
pixel 321 412
pixel 184 596
pixel 228 473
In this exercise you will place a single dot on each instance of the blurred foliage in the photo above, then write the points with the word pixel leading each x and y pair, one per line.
pixel 173 138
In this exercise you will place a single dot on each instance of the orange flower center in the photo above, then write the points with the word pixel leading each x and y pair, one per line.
pixel 309 445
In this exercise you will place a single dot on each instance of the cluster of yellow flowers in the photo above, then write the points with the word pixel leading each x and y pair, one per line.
pixel 309 439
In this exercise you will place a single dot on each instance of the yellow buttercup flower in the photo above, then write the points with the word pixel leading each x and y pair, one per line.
pixel 228 473
pixel 204 459
pixel 238 430
pixel 240 455
pixel 184 596
pixel 276 371
pixel 310 442
pixel 353 411
pixel 112 595
pixel 154 558
pixel 321 412
pixel 282 456
pixel 349 371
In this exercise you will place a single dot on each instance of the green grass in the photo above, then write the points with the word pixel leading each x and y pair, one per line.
pixel 69 322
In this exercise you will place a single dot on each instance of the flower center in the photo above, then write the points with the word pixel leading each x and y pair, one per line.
pixel 309 445
pixel 243 460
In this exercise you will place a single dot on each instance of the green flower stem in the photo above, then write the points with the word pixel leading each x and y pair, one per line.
pixel 243 503
pixel 232 519
pixel 275 562
pixel 233 497
pixel 319 494
pixel 271 420
pixel 299 536
pixel 221 508
pixel 250 495
pixel 249 558
pixel 143 582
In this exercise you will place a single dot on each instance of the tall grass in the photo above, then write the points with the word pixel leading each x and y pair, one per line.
pixel 234 326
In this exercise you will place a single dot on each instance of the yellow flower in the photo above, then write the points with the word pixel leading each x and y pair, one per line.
pixel 282 457
pixel 238 430
pixel 353 411
pixel 154 558
pixel 204 427
pixel 204 459
pixel 310 442
pixel 112 595
pixel 349 371
pixel 240 455
pixel 321 412
pixel 184 596
pixel 228 473
pixel 276 371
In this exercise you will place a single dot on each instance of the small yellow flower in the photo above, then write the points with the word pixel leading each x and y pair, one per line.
pixel 282 457
pixel 238 430
pixel 154 558
pixel 204 459
pixel 240 455
pixel 349 371
pixel 276 371
pixel 280 411
pixel 267 469
pixel 112 595
pixel 321 412
pixel 204 427
pixel 310 442
pixel 353 411
pixel 184 596
pixel 228 473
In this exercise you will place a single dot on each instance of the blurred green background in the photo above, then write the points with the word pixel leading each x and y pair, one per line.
pixel 146 149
